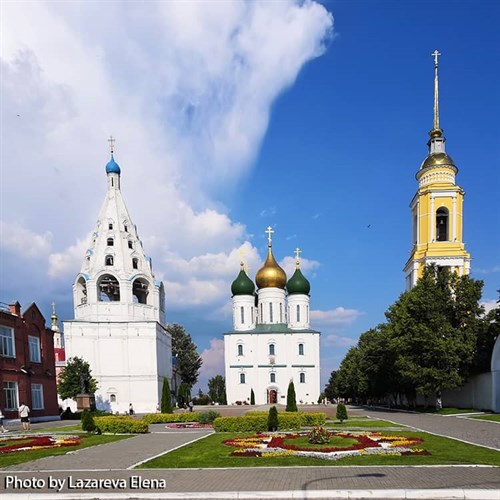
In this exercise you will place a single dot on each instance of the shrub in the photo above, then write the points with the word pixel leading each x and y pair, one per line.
pixel 291 404
pixel 88 424
pixel 312 419
pixel 67 414
pixel 272 419
pixel 319 435
pixel 203 400
pixel 166 397
pixel 341 412
pixel 165 418
pixel 240 424
pixel 121 425
pixel 252 397
pixel 208 417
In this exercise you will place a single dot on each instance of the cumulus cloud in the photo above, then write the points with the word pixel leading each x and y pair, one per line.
pixel 306 265
pixel 489 305
pixel 338 341
pixel 337 317
pixel 25 243
pixel 213 360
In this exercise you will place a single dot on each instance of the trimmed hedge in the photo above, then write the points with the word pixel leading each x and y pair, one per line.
pixel 165 418
pixel 121 425
pixel 256 421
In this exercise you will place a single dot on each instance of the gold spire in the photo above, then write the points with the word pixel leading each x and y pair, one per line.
pixel 298 251
pixel 436 131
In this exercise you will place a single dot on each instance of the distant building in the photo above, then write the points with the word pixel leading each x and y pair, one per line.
pixel 271 343
pixel 27 366
pixel 437 208
pixel 119 306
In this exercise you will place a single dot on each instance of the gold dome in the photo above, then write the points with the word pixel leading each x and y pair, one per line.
pixel 270 274
pixel 438 160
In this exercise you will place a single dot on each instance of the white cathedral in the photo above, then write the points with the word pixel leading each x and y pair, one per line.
pixel 271 343
pixel 119 310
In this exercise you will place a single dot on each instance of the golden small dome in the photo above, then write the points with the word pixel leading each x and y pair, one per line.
pixel 436 132
pixel 438 160
pixel 270 274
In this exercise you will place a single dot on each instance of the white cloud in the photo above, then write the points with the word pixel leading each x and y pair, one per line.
pixel 337 317
pixel 494 269
pixel 185 87
pixel 338 341
pixel 489 305
pixel 213 360
pixel 306 265
pixel 24 242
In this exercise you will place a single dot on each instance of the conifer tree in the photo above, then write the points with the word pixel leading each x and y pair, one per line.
pixel 341 412
pixel 166 397
pixel 291 404
pixel 272 419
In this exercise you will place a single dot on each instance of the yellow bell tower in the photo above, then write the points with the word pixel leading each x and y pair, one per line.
pixel 437 208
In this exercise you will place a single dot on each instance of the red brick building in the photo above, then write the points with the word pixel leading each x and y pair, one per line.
pixel 27 364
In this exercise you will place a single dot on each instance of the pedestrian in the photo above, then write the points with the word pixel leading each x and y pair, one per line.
pixel 130 409
pixel 24 412
pixel 2 428
pixel 158 408
pixel 190 406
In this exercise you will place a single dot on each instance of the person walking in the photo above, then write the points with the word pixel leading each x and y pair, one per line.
pixel 24 413
pixel 2 428
pixel 130 409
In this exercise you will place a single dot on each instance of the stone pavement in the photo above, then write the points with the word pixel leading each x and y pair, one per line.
pixel 108 468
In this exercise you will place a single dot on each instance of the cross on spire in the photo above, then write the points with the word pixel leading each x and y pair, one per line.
pixel 298 251
pixel 111 141
pixel 269 232
pixel 436 54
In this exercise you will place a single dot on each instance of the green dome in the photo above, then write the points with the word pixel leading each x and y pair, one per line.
pixel 242 285
pixel 298 284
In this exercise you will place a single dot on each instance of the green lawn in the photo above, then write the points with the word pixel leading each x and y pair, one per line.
pixel 212 452
pixel 494 418
pixel 446 411
pixel 352 424
pixel 64 428
pixel 18 457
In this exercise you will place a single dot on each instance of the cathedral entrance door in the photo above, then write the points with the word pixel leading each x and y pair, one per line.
pixel 272 396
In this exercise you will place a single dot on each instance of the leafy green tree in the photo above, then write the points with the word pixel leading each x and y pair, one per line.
pixel 291 404
pixel 350 382
pixel 185 349
pixel 485 341
pixel 252 397
pixel 88 424
pixel 272 419
pixel 73 376
pixel 217 389
pixel 183 395
pixel 166 397
pixel 330 389
pixel 341 414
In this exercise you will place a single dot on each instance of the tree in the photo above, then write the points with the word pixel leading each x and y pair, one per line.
pixel 88 424
pixel 75 374
pixel 183 395
pixel 291 404
pixel 272 419
pixel 252 397
pixel 330 390
pixel 217 389
pixel 341 414
pixel 185 349
pixel 166 397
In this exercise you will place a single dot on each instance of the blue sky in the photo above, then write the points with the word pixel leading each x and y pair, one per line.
pixel 309 117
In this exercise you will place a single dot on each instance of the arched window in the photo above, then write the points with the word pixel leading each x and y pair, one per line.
pixel 140 291
pixel 272 377
pixel 110 242
pixel 298 313
pixel 442 224
pixel 271 350
pixel 130 244
pixel 110 225
pixel 261 317
pixel 301 349
pixel 242 312
pixel 270 312
pixel 240 349
pixel 112 398
pixel 108 289
pixel 109 260
pixel 242 378
pixel 81 290
pixel 302 378
pixel 281 312
pixel 125 228
pixel 135 263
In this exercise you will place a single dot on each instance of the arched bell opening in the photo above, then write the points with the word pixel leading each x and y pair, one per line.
pixel 442 218
pixel 108 289
pixel 81 291
pixel 140 291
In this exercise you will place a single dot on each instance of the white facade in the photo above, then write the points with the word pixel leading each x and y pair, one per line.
pixel 271 343
pixel 119 326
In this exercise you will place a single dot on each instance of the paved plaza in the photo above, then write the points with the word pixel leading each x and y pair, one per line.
pixel 115 461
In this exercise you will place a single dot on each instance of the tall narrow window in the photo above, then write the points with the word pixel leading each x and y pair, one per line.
pixel 261 317
pixel 301 349
pixel 135 263
pixel 298 313
pixel 251 310
pixel 242 312
pixel 10 395
pixel 240 350
pixel 271 350
pixel 34 346
pixel 442 224
pixel 270 312
pixel 242 378
pixel 281 312
pixel 125 228
pixel 130 244
pixel 110 225
pixel 110 242
pixel 7 344
pixel 109 260
pixel 302 378
pixel 37 396
pixel 112 398
pixel 272 377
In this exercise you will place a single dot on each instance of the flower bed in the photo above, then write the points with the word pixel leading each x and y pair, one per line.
pixel 189 425
pixel 368 443
pixel 9 445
